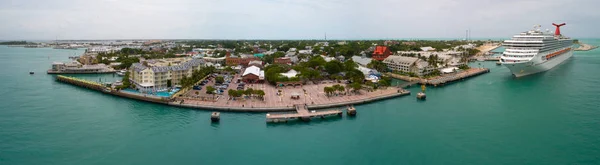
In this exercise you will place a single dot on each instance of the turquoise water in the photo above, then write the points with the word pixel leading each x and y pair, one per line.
pixel 160 94
pixel 547 118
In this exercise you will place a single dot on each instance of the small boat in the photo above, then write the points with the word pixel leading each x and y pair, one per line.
pixel 122 72
pixel 216 116
pixel 351 111
pixel 421 95
pixel 31 72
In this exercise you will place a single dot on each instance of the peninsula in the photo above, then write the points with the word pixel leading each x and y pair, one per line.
pixel 267 76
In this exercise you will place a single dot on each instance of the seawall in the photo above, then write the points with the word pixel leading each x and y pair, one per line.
pixel 174 102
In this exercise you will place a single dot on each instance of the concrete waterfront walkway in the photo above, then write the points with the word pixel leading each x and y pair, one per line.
pixel 313 99
pixel 339 102
pixel 443 79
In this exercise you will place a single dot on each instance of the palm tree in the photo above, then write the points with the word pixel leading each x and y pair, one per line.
pixel 341 88
pixel 211 90
pixel 356 86
pixel 328 90
pixel 231 93
pixel 249 92
pixel 260 94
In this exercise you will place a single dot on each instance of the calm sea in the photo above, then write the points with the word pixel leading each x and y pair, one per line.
pixel 547 118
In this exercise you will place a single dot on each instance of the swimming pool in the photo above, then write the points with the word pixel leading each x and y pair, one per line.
pixel 159 94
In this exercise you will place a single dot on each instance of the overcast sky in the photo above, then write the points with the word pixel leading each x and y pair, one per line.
pixel 290 19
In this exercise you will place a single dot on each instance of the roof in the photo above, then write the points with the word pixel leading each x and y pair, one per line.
pixel 400 60
pixel 449 69
pixel 138 67
pixel 259 55
pixel 290 74
pixel 361 60
pixel 253 70
pixel 429 48
pixel 380 49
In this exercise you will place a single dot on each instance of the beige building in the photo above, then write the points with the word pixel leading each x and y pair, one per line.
pixel 155 75
pixel 409 65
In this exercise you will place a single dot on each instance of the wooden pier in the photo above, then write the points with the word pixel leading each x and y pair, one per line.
pixel 302 113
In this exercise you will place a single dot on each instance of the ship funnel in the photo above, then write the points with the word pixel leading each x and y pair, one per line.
pixel 557 32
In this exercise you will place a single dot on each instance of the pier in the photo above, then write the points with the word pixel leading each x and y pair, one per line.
pixel 445 79
pixel 585 47
pixel 99 87
pixel 485 58
pixel 302 113
pixel 82 83
pixel 439 80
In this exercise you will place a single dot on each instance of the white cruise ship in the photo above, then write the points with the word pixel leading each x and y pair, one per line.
pixel 536 51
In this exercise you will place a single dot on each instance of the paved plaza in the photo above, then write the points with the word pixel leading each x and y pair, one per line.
pixel 314 96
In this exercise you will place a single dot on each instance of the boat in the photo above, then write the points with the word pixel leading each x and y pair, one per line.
pixel 351 111
pixel 31 72
pixel 122 72
pixel 421 95
pixel 535 51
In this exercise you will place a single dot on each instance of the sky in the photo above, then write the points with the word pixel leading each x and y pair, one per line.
pixel 291 19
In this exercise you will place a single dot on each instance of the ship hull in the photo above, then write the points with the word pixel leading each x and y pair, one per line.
pixel 529 68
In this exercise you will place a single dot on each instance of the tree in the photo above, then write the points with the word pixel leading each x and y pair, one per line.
pixel 354 75
pixel 377 65
pixel 333 67
pixel 349 65
pixel 356 86
pixel 327 90
pixel 249 92
pixel 210 90
pixel 232 93
pixel 260 93
pixel 383 82
pixel 219 79
pixel 169 83
pixel 271 58
pixel 229 69
pixel 341 88
pixel 316 61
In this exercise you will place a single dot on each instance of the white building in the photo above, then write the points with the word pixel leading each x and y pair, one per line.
pixel 409 65
pixel 361 60
pixel 156 75
pixel 103 49
pixel 290 74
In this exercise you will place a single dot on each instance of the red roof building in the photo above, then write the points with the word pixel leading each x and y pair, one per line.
pixel 283 60
pixel 381 52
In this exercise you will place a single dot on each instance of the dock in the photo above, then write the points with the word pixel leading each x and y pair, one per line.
pixel 485 58
pixel 302 113
pixel 585 47
pixel 445 79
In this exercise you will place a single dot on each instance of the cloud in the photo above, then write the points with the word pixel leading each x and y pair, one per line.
pixel 289 19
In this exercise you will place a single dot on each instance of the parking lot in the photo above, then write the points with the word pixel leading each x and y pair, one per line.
pixel 230 82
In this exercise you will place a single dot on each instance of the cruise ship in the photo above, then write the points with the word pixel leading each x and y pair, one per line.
pixel 535 51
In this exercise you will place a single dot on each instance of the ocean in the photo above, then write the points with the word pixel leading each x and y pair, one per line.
pixel 547 118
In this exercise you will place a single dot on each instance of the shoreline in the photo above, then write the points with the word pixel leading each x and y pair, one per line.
pixel 176 102
pixel 290 108
pixel 585 47
pixel 442 79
